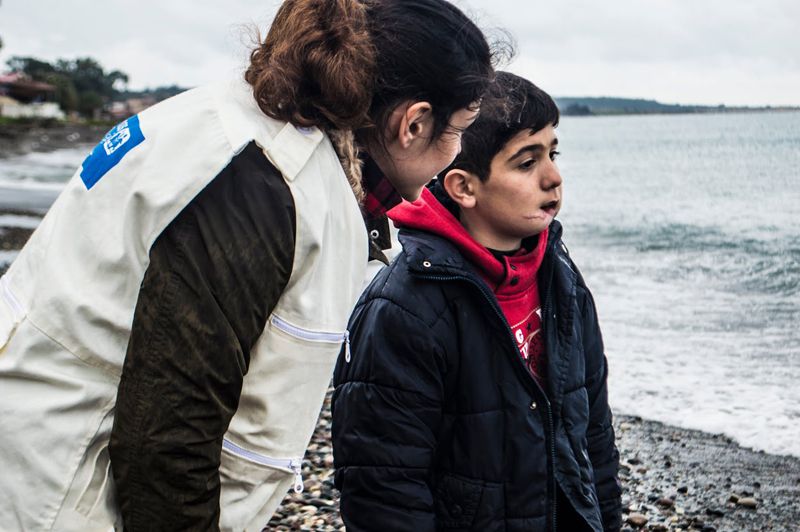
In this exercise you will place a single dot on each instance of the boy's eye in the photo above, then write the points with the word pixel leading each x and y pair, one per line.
pixel 554 155
pixel 527 164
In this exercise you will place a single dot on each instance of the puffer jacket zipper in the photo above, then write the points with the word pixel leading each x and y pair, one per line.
pixel 549 343
pixel 290 465
pixel 543 396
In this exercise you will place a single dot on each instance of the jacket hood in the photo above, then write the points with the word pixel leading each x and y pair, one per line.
pixel 434 212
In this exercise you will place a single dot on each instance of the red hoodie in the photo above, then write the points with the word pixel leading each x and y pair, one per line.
pixel 513 280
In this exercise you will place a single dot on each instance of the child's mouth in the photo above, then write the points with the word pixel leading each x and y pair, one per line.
pixel 550 207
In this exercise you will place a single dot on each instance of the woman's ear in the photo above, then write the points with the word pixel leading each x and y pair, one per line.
pixel 414 121
pixel 460 186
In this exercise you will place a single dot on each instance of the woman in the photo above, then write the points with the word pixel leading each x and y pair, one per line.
pixel 167 334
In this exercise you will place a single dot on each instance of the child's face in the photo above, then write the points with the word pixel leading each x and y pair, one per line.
pixel 523 192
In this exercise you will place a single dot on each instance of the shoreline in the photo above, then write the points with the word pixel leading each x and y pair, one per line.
pixel 729 111
pixel 23 138
pixel 683 479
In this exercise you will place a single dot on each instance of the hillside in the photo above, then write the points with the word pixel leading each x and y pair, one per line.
pixel 586 106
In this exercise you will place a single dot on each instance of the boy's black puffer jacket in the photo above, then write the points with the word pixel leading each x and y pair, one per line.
pixel 437 424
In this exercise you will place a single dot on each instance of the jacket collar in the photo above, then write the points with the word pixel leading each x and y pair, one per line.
pixel 429 254
pixel 436 213
pixel 422 247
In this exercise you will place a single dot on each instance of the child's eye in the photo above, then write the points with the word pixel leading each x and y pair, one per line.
pixel 528 164
pixel 554 155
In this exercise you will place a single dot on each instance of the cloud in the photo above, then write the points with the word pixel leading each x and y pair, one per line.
pixel 156 43
pixel 698 51
pixel 703 51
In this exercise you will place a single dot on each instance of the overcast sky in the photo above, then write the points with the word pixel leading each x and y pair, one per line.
pixel 675 51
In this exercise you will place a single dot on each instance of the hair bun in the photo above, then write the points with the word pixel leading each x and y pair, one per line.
pixel 316 65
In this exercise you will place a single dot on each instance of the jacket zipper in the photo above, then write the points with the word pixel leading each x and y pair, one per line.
pixel 13 302
pixel 307 334
pixel 347 346
pixel 290 465
pixel 551 429
pixel 546 315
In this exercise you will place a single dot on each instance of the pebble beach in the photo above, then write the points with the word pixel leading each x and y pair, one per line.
pixel 673 479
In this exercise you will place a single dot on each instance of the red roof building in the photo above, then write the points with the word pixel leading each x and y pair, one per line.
pixel 23 89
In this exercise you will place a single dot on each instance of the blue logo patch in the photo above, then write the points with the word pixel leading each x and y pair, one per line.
pixel 105 156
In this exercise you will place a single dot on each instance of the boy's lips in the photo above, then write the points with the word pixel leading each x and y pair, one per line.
pixel 550 207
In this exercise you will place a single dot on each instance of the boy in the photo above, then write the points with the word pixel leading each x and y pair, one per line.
pixel 473 394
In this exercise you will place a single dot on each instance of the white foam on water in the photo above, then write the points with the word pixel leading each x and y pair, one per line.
pixel 686 230
pixel 24 184
pixel 54 166
pixel 28 196
pixel 20 221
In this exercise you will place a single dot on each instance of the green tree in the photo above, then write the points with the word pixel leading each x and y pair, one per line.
pixel 88 76
pixel 35 68
pixel 81 84
pixel 89 103
pixel 66 93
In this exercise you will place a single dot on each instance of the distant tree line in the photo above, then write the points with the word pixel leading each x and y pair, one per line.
pixel 585 106
pixel 612 106
pixel 82 85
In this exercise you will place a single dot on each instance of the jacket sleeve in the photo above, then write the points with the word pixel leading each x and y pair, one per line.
pixel 215 274
pixel 387 409
pixel 600 432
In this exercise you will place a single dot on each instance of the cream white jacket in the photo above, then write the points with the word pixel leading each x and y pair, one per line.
pixel 67 304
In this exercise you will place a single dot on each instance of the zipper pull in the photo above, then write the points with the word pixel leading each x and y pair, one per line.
pixel 347 346
pixel 298 477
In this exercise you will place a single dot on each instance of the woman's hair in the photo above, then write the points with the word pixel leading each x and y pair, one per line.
pixel 316 65
pixel 347 64
pixel 426 50
pixel 512 104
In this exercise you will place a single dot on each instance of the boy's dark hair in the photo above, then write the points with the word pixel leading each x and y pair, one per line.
pixel 511 105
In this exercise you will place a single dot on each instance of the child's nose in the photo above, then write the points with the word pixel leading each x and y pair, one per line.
pixel 552 178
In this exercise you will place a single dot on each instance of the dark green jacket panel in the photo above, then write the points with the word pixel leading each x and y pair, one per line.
pixel 215 274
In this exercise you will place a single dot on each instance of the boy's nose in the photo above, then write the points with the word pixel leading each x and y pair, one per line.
pixel 552 178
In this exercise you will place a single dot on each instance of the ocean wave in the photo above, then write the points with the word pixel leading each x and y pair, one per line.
pixel 19 221
pixel 735 262
pixel 31 184
pixel 50 167
pixel 28 196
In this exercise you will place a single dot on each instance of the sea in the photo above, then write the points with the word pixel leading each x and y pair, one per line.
pixel 687 231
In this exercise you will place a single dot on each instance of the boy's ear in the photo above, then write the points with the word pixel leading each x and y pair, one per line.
pixel 460 186
pixel 412 121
